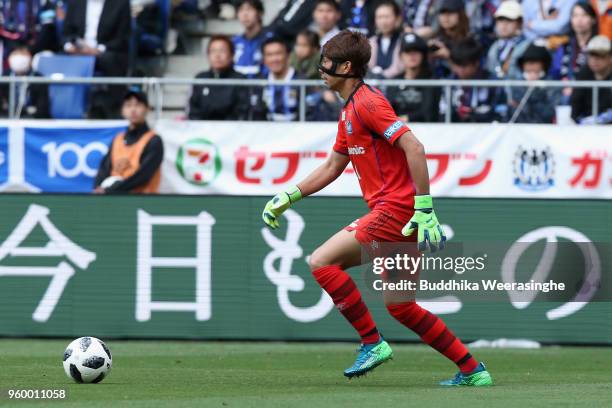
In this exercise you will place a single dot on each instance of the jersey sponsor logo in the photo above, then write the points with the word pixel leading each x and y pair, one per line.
pixel 353 150
pixel 349 127
pixel 391 130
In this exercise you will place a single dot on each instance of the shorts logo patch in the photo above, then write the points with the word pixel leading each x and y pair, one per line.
pixel 391 130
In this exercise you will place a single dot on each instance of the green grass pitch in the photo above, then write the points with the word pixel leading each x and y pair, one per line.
pixel 213 374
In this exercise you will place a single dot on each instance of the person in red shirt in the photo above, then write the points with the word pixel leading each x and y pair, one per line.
pixel 391 167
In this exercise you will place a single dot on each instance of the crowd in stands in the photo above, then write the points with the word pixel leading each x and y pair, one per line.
pixel 530 40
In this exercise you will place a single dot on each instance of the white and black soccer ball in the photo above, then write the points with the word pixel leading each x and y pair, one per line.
pixel 87 360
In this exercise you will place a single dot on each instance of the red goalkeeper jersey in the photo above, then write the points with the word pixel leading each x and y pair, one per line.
pixel 367 131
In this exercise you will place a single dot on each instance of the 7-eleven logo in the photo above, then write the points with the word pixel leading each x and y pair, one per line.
pixel 198 161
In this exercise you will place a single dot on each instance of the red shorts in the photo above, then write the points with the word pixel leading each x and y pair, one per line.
pixel 382 224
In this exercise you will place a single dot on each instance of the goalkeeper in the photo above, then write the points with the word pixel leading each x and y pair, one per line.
pixel 390 164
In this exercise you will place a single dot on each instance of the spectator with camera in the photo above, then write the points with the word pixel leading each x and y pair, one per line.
pixel 454 27
pixel 414 103
pixel 510 44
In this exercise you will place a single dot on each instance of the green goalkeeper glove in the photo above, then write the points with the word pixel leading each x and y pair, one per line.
pixel 277 205
pixel 425 220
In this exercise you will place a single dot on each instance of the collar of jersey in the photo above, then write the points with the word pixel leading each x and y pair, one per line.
pixel 350 98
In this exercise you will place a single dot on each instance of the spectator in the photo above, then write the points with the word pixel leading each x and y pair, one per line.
pixel 420 16
pixel 18 22
pixel 481 14
pixel 248 59
pixel 293 17
pixel 542 18
pixel 219 102
pixel 305 55
pixel 598 68
pixel 100 28
pixel 454 27
pixel 48 35
pixel 603 10
pixel 132 165
pixel 32 100
pixel 277 102
pixel 326 16
pixel 571 57
pixel 414 103
pixel 469 103
pixel 385 61
pixel 149 31
pixel 323 105
pixel 510 45
pixel 535 104
pixel 358 15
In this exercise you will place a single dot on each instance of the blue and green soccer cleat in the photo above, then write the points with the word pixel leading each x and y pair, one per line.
pixel 370 356
pixel 478 378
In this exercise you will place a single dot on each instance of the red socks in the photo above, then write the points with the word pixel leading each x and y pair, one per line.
pixel 434 332
pixel 347 298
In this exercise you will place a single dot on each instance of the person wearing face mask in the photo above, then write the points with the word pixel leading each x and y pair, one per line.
pixel 536 104
pixel 32 100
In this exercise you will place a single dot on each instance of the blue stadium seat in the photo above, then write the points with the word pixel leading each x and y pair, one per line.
pixel 67 101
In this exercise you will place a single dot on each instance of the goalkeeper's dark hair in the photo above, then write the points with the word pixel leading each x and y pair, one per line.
pixel 349 46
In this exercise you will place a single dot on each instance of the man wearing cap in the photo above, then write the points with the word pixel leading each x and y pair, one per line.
pixel 599 68
pixel 510 43
pixel 133 162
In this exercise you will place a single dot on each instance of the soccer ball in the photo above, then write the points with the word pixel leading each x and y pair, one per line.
pixel 87 360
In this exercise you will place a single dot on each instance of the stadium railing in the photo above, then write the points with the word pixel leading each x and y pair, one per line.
pixel 154 87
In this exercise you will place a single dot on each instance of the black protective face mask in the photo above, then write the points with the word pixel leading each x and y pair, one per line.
pixel 332 71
